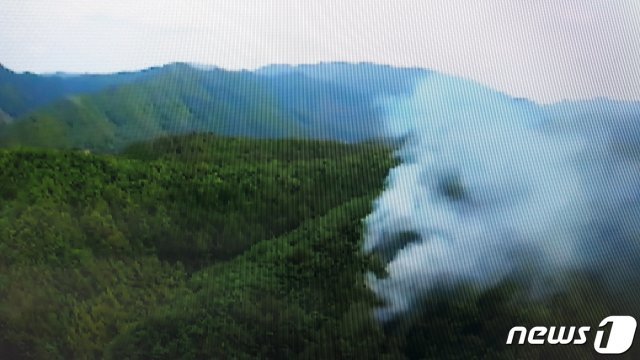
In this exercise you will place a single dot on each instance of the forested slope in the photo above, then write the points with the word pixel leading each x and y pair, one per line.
pixel 340 102
pixel 21 93
pixel 205 247
pixel 93 246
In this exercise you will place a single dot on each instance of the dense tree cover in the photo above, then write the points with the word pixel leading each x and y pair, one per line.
pixel 178 99
pixel 188 211
pixel 298 295
pixel 211 148
pixel 326 101
pixel 201 247
pixel 90 245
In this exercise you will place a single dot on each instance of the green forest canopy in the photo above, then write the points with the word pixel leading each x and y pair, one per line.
pixel 205 247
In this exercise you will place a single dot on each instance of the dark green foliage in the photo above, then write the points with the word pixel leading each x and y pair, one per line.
pixel 467 325
pixel 55 312
pixel 96 246
pixel 213 207
pixel 301 295
pixel 200 247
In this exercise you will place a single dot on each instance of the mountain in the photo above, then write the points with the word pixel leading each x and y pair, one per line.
pixel 21 93
pixel 326 101
pixel 613 123
pixel 108 243
pixel 572 113
pixel 203 247
pixel 340 101
pixel 360 77
pixel 176 100
pixel 333 101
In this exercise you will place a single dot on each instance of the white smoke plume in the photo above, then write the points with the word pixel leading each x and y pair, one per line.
pixel 491 188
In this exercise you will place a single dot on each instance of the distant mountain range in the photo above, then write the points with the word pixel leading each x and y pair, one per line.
pixel 106 112
pixel 337 101
pixel 24 92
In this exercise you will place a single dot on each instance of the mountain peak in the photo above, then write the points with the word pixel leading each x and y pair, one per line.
pixel 4 69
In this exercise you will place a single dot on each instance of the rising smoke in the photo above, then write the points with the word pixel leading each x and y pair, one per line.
pixel 492 188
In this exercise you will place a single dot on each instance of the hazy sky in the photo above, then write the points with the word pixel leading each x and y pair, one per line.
pixel 546 50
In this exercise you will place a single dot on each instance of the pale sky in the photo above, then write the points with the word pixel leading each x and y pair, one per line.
pixel 545 50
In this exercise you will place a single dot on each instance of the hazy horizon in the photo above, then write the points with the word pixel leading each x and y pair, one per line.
pixel 546 51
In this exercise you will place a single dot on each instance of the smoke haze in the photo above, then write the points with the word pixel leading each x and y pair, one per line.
pixel 492 188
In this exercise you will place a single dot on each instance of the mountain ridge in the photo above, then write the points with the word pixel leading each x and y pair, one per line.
pixel 341 101
pixel 179 98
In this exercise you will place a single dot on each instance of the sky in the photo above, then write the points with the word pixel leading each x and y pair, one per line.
pixel 544 50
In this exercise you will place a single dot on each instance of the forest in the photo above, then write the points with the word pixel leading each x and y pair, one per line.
pixel 188 213
pixel 198 246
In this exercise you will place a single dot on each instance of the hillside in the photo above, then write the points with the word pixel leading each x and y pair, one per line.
pixel 169 218
pixel 21 93
pixel 177 100
pixel 205 247
pixel 104 241
pixel 326 101
pixel 621 118
pixel 332 101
